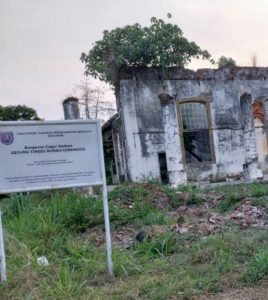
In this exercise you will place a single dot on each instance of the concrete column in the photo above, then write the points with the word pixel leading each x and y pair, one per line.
pixel 251 167
pixel 176 172
pixel 71 109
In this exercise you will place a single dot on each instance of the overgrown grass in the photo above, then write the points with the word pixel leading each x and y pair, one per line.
pixel 59 225
pixel 230 201
pixel 193 191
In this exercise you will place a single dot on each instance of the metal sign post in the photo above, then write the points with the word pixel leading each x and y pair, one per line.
pixel 107 229
pixel 105 207
pixel 52 155
pixel 3 275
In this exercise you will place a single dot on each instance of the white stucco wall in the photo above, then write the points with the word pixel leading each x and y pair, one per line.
pixel 146 133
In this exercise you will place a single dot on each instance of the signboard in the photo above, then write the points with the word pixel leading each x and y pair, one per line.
pixel 46 155
pixel 52 155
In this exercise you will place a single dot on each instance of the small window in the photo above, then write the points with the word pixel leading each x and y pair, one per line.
pixel 195 132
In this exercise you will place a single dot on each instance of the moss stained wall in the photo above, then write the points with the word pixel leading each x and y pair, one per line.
pixel 237 152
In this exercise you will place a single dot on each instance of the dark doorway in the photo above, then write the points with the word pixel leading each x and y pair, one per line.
pixel 163 167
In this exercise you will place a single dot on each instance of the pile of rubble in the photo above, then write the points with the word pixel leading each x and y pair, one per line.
pixel 247 215
pixel 198 219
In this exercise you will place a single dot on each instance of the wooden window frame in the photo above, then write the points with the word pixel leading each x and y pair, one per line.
pixel 206 102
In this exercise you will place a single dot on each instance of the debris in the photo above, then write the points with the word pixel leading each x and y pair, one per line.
pixel 182 209
pixel 210 197
pixel 247 215
pixel 204 222
pixel 183 196
pixel 184 228
pixel 141 236
pixel 210 200
pixel 42 261
pixel 180 220
pixel 199 218
pixel 215 218
pixel 124 237
pixel 128 205
pixel 160 199
pixel 237 215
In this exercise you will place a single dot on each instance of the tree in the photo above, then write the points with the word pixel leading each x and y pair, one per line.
pixel 93 103
pixel 17 112
pixel 226 62
pixel 159 45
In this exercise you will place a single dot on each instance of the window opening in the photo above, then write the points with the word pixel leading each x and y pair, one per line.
pixel 195 132
pixel 163 167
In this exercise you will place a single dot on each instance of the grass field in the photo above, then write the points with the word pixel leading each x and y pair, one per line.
pixel 159 252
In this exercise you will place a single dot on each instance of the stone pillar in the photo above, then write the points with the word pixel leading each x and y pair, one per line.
pixel 175 168
pixel 71 109
pixel 251 167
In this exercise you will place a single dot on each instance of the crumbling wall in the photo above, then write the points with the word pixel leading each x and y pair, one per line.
pixel 143 130
pixel 261 133
pixel 143 119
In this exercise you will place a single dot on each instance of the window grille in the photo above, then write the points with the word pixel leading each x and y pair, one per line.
pixel 196 132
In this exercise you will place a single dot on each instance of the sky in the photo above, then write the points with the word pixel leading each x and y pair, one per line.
pixel 41 40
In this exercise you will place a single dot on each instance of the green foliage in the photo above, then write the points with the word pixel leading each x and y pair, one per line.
pixel 226 62
pixel 18 112
pixel 257 267
pixel 163 244
pixel 127 193
pixel 19 204
pixel 166 265
pixel 134 204
pixel 171 194
pixel 258 190
pixel 229 202
pixel 195 193
pixel 190 188
pixel 195 199
pixel 159 45
pixel 48 219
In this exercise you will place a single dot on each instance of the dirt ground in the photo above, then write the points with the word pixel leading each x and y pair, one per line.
pixel 259 292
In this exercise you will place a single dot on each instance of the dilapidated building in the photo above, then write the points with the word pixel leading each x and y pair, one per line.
pixel 179 125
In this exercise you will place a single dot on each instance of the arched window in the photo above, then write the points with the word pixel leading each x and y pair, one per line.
pixel 195 131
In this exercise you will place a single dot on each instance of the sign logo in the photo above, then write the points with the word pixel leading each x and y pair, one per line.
pixel 7 138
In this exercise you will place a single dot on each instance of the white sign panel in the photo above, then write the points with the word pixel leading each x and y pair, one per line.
pixel 46 155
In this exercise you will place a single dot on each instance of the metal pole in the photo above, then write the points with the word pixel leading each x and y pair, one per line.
pixel 107 229
pixel 105 206
pixel 3 275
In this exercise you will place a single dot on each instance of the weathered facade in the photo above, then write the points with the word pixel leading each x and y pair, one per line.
pixel 114 159
pixel 179 125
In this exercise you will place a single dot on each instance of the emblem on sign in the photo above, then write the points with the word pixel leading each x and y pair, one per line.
pixel 7 138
